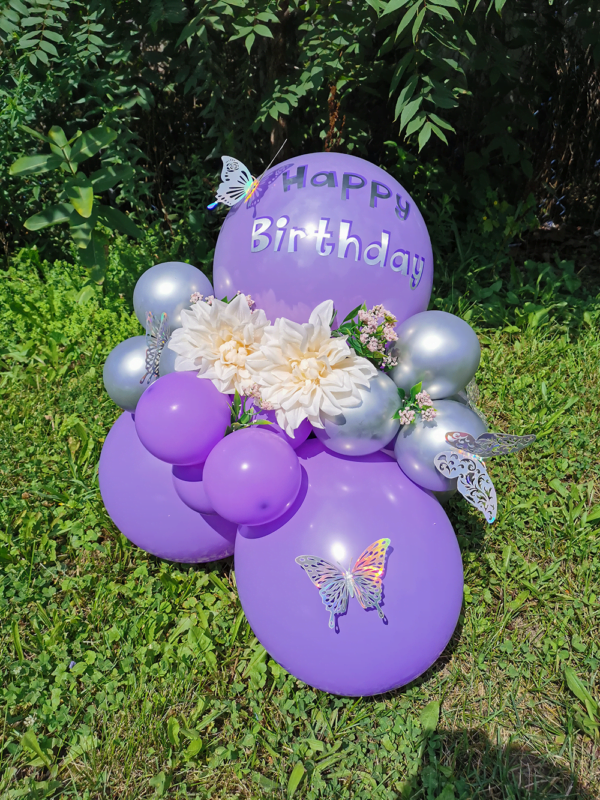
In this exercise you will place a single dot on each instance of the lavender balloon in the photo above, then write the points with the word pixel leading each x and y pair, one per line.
pixel 301 433
pixel 182 418
pixel 326 225
pixel 139 496
pixel 190 488
pixel 344 506
pixel 252 476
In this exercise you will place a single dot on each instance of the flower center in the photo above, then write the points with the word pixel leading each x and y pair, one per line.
pixel 233 352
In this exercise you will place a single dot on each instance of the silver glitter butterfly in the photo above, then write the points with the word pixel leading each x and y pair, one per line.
pixel 465 463
pixel 337 585
pixel 157 334
pixel 489 444
pixel 473 482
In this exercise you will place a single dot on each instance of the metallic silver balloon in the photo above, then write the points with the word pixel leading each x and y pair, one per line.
pixel 438 349
pixel 123 370
pixel 167 287
pixel 418 444
pixel 367 427
pixel 167 360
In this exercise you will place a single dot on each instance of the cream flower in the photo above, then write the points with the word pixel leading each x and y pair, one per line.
pixel 301 370
pixel 217 339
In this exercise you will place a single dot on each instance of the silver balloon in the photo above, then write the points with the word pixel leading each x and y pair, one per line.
pixel 167 360
pixel 167 287
pixel 418 444
pixel 367 427
pixel 123 370
pixel 438 349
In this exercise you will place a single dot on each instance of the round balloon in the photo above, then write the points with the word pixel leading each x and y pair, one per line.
pixel 301 433
pixel 189 486
pixel 437 349
pixel 182 418
pixel 360 517
pixel 367 427
pixel 252 476
pixel 326 226
pixel 137 490
pixel 123 372
pixel 419 443
pixel 167 287
pixel 167 360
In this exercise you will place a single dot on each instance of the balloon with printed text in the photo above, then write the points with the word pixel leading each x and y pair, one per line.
pixel 326 225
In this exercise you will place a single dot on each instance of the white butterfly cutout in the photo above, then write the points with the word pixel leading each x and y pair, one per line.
pixel 237 183
pixel 157 334
pixel 465 463
pixel 337 585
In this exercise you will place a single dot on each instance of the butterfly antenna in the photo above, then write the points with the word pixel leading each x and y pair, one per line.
pixel 273 159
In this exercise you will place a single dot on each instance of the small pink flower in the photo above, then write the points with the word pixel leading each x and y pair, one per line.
pixel 428 414
pixel 423 399
pixel 364 337
pixel 196 297
pixel 406 417
pixel 209 299
pixel 390 334
pixel 373 346
pixel 363 316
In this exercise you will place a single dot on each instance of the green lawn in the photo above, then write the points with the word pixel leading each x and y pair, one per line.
pixel 127 677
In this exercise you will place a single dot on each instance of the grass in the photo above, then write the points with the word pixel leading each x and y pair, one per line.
pixel 127 677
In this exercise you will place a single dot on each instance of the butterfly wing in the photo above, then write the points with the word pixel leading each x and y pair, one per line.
pixel 265 181
pixel 368 573
pixel 330 582
pixel 501 444
pixel 461 440
pixel 236 182
pixel 157 334
pixel 473 483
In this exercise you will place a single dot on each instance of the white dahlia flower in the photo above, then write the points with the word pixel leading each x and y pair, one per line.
pixel 217 339
pixel 301 370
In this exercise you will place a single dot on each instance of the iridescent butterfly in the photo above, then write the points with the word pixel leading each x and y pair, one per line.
pixel 465 463
pixel 237 183
pixel 337 585
pixel 157 334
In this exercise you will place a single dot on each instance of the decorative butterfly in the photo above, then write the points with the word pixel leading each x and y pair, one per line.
pixel 264 184
pixel 157 334
pixel 336 585
pixel 466 464
pixel 237 182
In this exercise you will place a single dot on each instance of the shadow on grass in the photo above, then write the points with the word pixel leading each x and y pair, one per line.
pixel 466 764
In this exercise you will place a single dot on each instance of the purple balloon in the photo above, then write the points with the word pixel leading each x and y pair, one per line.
pixel 182 418
pixel 345 505
pixel 301 433
pixel 137 490
pixel 252 477
pixel 189 486
pixel 326 226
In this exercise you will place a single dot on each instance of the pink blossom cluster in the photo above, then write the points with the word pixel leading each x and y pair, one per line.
pixel 249 299
pixel 377 332
pixel 407 416
pixel 254 392
pixel 197 297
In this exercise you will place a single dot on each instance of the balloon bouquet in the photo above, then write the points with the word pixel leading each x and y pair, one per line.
pixel 308 421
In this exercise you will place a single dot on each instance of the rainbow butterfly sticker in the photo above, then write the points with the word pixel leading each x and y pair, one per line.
pixel 237 183
pixel 337 585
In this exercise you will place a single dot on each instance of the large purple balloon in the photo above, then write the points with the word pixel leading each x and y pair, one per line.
pixel 189 486
pixel 252 477
pixel 182 418
pixel 139 496
pixel 301 433
pixel 326 226
pixel 344 505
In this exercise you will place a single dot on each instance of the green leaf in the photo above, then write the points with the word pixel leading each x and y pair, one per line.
pixel 31 132
pixel 262 30
pixel 93 257
pixel 353 313
pixel 581 691
pixel 406 19
pixel 53 215
pixel 17 640
pixel 259 656
pixel 81 197
pixel 415 391
pixel 402 393
pixel 116 220
pixel 107 177
pixel 91 142
pixel 425 135
pixel 173 731
pixel 405 95
pixel 30 742
pixel 295 778
pixel 594 514
pixel 417 24
pixel 249 41
pixel 409 111
pixel 429 717
pixel 193 748
pixel 35 165
pixel 393 5
pixel 82 228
